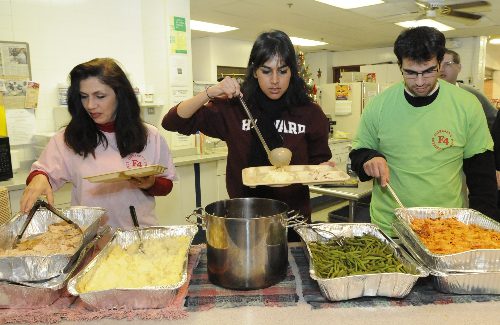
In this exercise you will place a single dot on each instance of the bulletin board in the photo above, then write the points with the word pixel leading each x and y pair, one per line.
pixel 15 73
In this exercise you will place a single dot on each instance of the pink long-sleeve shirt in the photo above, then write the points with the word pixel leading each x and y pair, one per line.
pixel 62 165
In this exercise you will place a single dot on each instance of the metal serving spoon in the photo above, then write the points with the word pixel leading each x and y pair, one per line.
pixel 278 157
pixel 136 227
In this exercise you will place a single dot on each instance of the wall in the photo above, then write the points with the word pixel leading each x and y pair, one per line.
pixel 468 48
pixel 493 62
pixel 60 35
pixel 209 52
pixel 64 33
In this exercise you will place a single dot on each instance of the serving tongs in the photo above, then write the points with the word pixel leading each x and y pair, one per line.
pixel 38 204
pixel 72 265
pixel 339 240
pixel 136 226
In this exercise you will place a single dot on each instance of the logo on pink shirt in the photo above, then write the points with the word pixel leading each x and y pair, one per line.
pixel 135 160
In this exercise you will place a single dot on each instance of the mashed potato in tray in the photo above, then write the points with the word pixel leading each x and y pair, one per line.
pixel 161 264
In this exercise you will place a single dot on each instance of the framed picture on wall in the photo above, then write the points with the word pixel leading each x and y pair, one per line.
pixel 15 72
pixel 15 59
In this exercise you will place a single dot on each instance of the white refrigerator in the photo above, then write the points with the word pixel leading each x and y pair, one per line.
pixel 344 102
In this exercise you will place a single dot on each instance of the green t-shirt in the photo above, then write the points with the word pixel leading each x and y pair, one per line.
pixel 424 147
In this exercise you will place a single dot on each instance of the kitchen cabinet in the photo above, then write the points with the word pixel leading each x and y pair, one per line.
pixel 221 180
pixel 173 208
pixel 181 202
pixel 208 183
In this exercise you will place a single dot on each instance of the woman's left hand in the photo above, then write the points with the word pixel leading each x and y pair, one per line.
pixel 329 163
pixel 143 183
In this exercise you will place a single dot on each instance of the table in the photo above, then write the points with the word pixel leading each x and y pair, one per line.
pixel 352 194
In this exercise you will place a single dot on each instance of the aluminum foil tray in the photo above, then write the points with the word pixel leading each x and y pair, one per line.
pixel 150 297
pixel 477 260
pixel 42 294
pixel 467 283
pixel 456 282
pixel 36 268
pixel 396 285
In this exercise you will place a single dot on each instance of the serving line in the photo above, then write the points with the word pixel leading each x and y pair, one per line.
pixel 352 194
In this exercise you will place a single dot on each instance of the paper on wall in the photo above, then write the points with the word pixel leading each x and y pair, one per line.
pixel 32 91
pixel 343 107
pixel 178 67
pixel 20 125
pixel 178 94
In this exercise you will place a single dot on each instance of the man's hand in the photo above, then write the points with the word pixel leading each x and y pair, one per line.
pixel 377 168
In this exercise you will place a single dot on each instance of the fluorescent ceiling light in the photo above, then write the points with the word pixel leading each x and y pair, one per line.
pixel 494 40
pixel 424 22
pixel 209 27
pixel 305 42
pixel 351 4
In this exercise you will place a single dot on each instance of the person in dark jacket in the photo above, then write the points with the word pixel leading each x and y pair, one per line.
pixel 450 68
pixel 286 116
pixel 420 134
pixel 495 133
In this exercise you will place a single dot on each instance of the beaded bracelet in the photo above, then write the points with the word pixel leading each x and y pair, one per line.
pixel 206 92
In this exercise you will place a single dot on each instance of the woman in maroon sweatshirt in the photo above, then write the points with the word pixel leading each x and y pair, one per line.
pixel 286 116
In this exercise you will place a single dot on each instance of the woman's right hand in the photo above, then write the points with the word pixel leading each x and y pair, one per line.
pixel 39 185
pixel 227 87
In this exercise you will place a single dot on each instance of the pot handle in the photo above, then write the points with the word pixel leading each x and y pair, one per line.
pixel 295 220
pixel 198 213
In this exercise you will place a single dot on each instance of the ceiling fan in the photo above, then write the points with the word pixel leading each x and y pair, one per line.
pixel 435 8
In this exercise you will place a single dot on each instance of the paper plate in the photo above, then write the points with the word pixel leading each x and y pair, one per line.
pixel 126 174
pixel 293 174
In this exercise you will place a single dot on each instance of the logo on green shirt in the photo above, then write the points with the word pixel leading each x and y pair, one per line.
pixel 442 139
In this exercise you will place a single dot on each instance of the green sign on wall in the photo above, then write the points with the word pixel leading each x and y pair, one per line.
pixel 178 44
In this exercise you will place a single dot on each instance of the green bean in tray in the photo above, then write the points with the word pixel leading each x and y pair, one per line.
pixel 356 255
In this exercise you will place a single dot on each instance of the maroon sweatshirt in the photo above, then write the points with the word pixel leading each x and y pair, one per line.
pixel 304 131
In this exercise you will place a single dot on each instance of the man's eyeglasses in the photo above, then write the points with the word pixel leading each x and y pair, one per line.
pixel 448 63
pixel 410 74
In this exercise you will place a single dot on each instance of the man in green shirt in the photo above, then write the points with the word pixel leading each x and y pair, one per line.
pixel 420 135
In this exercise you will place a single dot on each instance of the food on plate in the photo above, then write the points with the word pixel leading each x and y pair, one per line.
pixel 364 254
pixel 278 175
pixel 450 236
pixel 60 238
pixel 161 264
pixel 306 173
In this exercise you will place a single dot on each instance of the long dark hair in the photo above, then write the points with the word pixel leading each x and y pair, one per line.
pixel 268 45
pixel 420 44
pixel 82 133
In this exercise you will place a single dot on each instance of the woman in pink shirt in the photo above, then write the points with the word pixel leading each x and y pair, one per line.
pixel 105 134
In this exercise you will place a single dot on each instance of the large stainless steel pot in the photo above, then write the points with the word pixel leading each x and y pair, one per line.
pixel 246 242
